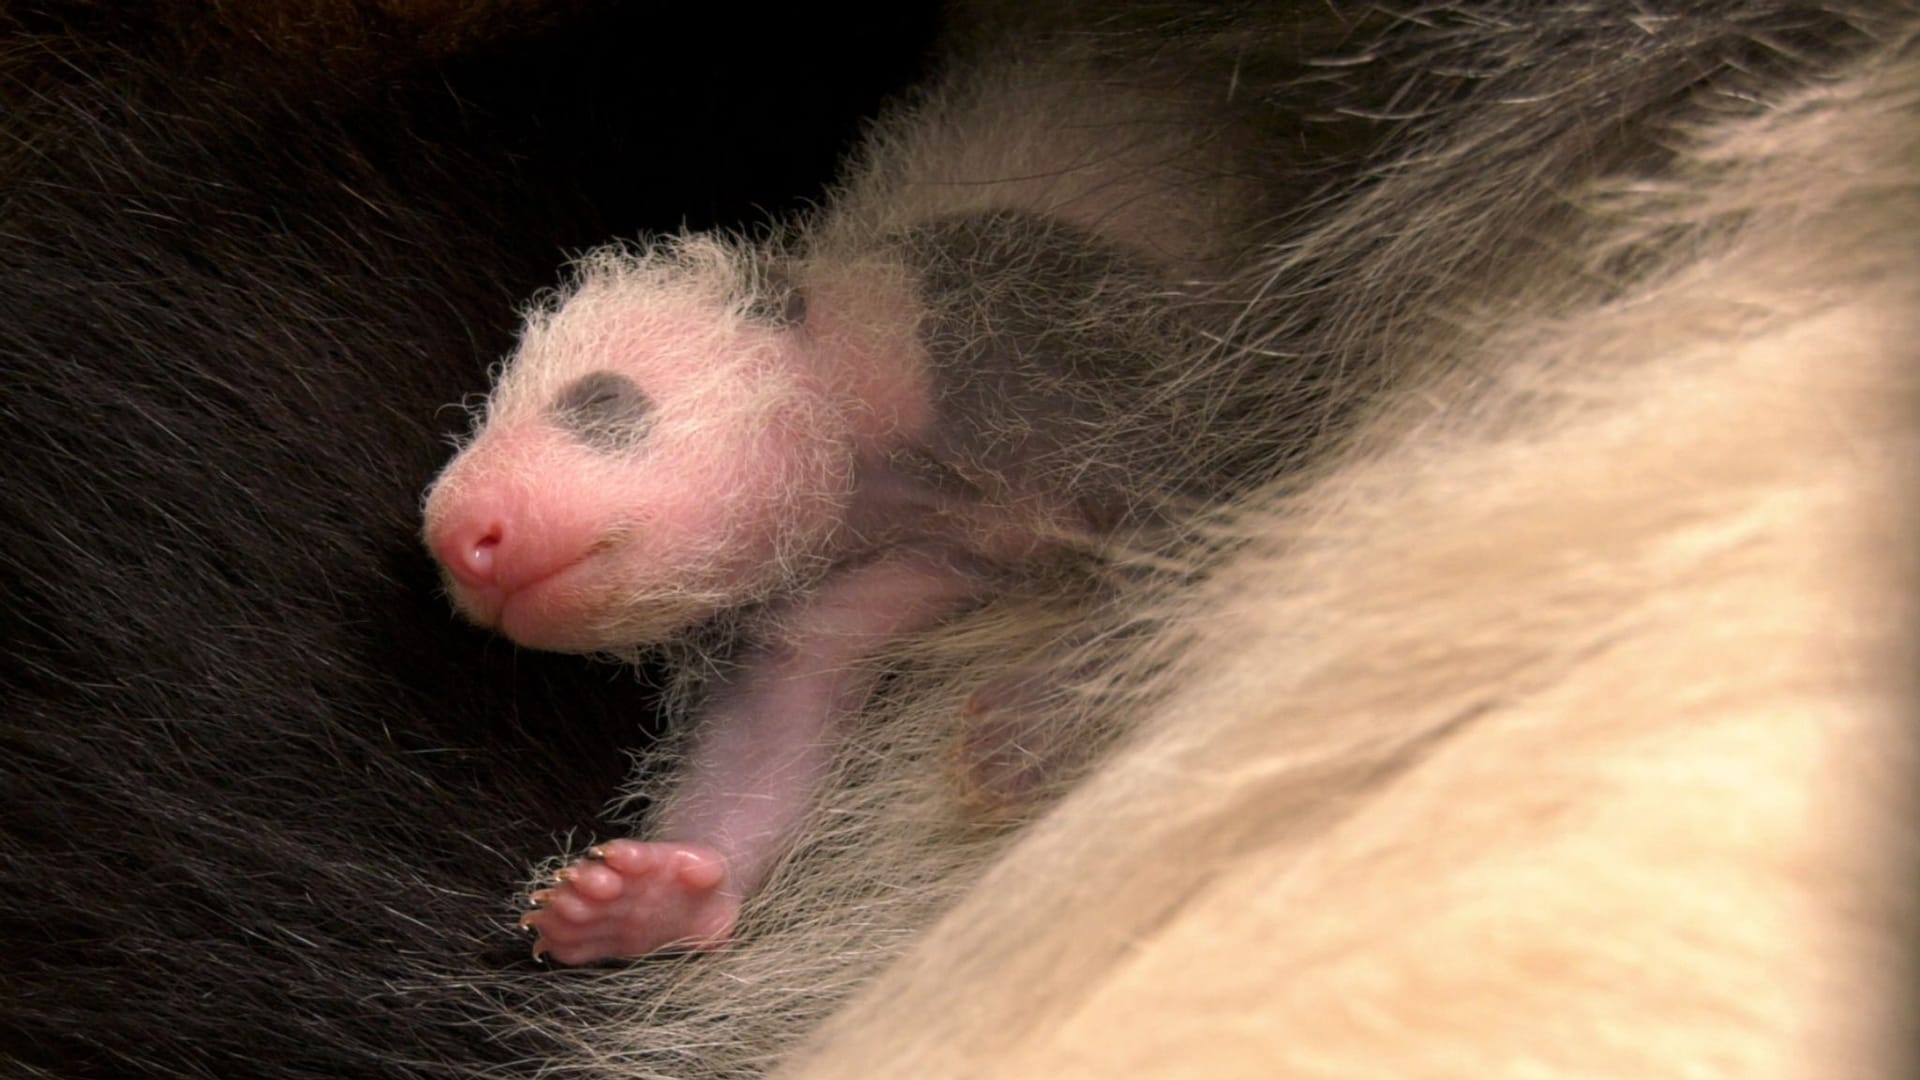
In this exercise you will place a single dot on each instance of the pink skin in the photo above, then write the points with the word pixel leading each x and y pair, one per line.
pixel 629 899
pixel 758 757
pixel 563 545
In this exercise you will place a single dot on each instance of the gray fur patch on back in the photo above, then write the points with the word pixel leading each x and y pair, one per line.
pixel 1047 344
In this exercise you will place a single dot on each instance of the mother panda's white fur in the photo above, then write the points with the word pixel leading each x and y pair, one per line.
pixel 1565 729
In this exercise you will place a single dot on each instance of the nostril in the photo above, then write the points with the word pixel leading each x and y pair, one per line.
pixel 480 555
pixel 471 553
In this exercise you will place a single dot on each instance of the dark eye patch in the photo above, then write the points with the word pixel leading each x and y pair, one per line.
pixel 604 410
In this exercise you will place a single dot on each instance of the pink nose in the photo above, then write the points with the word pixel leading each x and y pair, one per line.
pixel 470 549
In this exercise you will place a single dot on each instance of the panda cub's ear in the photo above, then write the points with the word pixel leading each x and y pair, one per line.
pixel 779 302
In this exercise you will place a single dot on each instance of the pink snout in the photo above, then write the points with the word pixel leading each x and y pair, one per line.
pixel 495 543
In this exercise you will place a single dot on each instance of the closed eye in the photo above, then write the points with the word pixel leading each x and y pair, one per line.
pixel 604 410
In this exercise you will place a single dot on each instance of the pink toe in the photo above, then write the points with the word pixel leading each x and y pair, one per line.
pixel 699 870
pixel 629 857
pixel 597 882
pixel 573 907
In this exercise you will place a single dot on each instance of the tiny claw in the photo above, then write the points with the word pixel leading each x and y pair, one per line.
pixel 597 852
pixel 540 898
pixel 563 875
